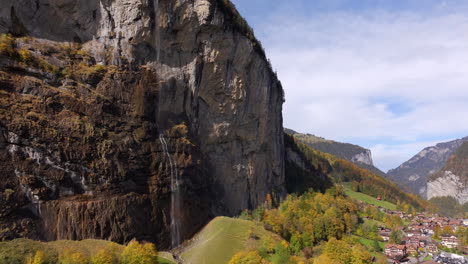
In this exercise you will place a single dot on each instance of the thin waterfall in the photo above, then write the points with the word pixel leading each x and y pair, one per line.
pixel 175 195
pixel 157 30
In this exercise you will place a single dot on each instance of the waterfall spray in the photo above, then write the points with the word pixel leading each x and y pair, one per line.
pixel 175 195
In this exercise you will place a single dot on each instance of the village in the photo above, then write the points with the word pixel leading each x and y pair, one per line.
pixel 426 239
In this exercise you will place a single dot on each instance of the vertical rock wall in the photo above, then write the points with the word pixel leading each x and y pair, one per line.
pixel 190 70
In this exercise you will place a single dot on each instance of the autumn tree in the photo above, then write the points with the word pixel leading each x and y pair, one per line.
pixel 341 252
pixel 437 232
pixel 72 257
pixel 103 257
pixel 136 253
pixel 360 255
pixel 247 257
pixel 462 234
pixel 38 258
pixel 447 230
pixel 325 259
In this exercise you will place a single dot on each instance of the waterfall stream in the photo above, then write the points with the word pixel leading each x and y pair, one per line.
pixel 175 195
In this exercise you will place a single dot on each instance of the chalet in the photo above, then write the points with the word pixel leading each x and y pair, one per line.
pixel 450 241
pixel 429 230
pixel 411 245
pixel 384 235
pixel 414 233
pixel 412 250
pixel 454 224
pixel 395 251
pixel 432 248
pixel 422 240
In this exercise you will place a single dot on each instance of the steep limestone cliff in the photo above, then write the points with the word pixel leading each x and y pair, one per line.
pixel 452 179
pixel 364 157
pixel 92 90
pixel 448 185
pixel 353 153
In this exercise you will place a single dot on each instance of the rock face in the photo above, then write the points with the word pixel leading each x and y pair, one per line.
pixel 413 174
pixel 452 179
pixel 448 185
pixel 363 157
pixel 87 95
pixel 353 153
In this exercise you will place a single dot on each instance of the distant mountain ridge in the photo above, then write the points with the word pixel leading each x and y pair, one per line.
pixel 452 179
pixel 353 153
pixel 414 173
pixel 308 168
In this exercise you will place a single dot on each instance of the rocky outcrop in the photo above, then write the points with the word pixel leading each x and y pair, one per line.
pixel 363 157
pixel 353 153
pixel 413 174
pixel 86 95
pixel 448 185
pixel 452 179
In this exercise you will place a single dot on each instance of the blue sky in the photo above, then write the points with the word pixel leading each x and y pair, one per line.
pixel 389 75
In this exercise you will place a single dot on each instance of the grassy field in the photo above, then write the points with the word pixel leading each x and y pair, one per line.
pixel 378 223
pixel 368 243
pixel 17 250
pixel 222 238
pixel 368 199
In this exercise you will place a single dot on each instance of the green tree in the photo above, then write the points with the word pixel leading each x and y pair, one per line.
pixel 396 236
pixel 296 244
pixel 355 186
pixel 282 254
pixel 376 246
pixel 370 229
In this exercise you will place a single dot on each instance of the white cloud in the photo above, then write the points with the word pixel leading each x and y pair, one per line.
pixel 397 77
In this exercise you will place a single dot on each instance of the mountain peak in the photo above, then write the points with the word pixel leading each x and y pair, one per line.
pixel 413 174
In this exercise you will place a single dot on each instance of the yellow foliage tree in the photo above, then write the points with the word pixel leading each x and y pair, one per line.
pixel 325 259
pixel 360 255
pixel 247 257
pixel 102 257
pixel 72 257
pixel 136 253
pixel 7 45
pixel 38 258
